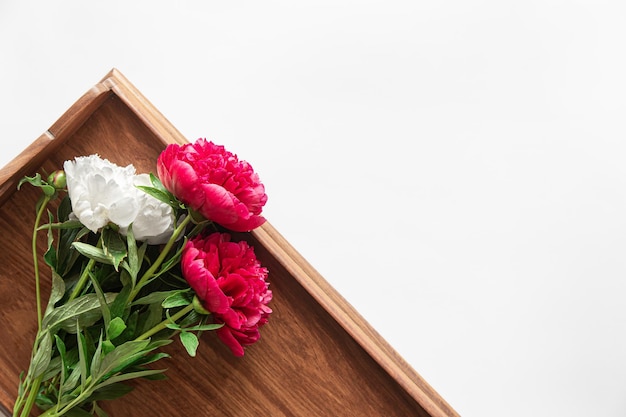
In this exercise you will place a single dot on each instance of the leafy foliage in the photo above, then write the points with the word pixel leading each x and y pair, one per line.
pixel 114 302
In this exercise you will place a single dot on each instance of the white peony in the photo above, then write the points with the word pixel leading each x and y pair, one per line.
pixel 102 192
pixel 155 220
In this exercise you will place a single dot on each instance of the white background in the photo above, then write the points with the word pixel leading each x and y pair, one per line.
pixel 455 169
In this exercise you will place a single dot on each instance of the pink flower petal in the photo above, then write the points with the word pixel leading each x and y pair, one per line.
pixel 231 283
pixel 215 183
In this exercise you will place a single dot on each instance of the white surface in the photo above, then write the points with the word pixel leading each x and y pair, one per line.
pixel 455 169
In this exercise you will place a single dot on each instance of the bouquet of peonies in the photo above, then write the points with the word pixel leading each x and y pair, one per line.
pixel 136 261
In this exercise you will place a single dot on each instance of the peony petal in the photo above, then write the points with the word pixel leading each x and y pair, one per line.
pixel 184 184
pixel 101 192
pixel 203 282
pixel 226 336
pixel 213 182
pixel 123 212
pixel 154 222
pixel 218 204
pixel 236 291
pixel 233 319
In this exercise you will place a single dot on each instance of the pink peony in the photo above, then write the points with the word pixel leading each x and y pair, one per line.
pixel 215 183
pixel 231 284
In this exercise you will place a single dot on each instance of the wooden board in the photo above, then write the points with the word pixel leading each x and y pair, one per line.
pixel 316 357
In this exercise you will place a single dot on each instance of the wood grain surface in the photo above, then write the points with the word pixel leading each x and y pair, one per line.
pixel 316 357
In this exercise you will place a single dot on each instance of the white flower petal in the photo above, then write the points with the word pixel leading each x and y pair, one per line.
pixel 102 192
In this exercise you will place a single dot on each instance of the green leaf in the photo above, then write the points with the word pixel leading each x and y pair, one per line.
pixel 99 411
pixel 50 256
pixel 199 227
pixel 171 262
pixel 96 361
pixel 72 381
pixel 110 392
pixel 35 181
pixel 156 377
pixel 53 369
pixel 44 401
pixel 66 253
pixel 104 306
pixel 56 292
pixel 116 327
pixel 156 344
pixel 153 317
pixel 66 225
pixel 107 347
pixel 130 375
pixel 113 246
pixel 92 252
pixel 125 279
pixel 134 262
pixel 163 196
pixel 122 355
pixel 82 358
pixel 20 388
pixel 42 356
pixel 199 328
pixel 64 210
pixel 178 299
pixel 156 297
pixel 191 319
pixel 151 359
pixel 62 354
pixel 131 328
pixel 156 183
pixel 77 412
pixel 48 190
pixel 141 252
pixel 118 306
pixel 82 311
pixel 190 342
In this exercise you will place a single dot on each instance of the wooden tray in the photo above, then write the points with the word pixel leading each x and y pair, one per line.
pixel 316 357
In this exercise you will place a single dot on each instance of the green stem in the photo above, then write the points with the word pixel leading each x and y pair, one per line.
pixel 40 212
pixel 165 322
pixel 54 412
pixel 32 394
pixel 84 275
pixel 20 399
pixel 150 273
pixel 34 388
pixel 59 411
pixel 81 281
pixel 152 270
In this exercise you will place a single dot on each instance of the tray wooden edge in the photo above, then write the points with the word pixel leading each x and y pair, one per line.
pixel 343 313
pixel 352 322
pixel 34 154
pixel 142 107
pixel 113 83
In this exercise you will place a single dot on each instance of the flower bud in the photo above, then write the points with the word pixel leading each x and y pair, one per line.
pixel 57 179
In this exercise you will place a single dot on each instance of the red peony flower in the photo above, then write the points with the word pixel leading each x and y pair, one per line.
pixel 231 284
pixel 215 183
